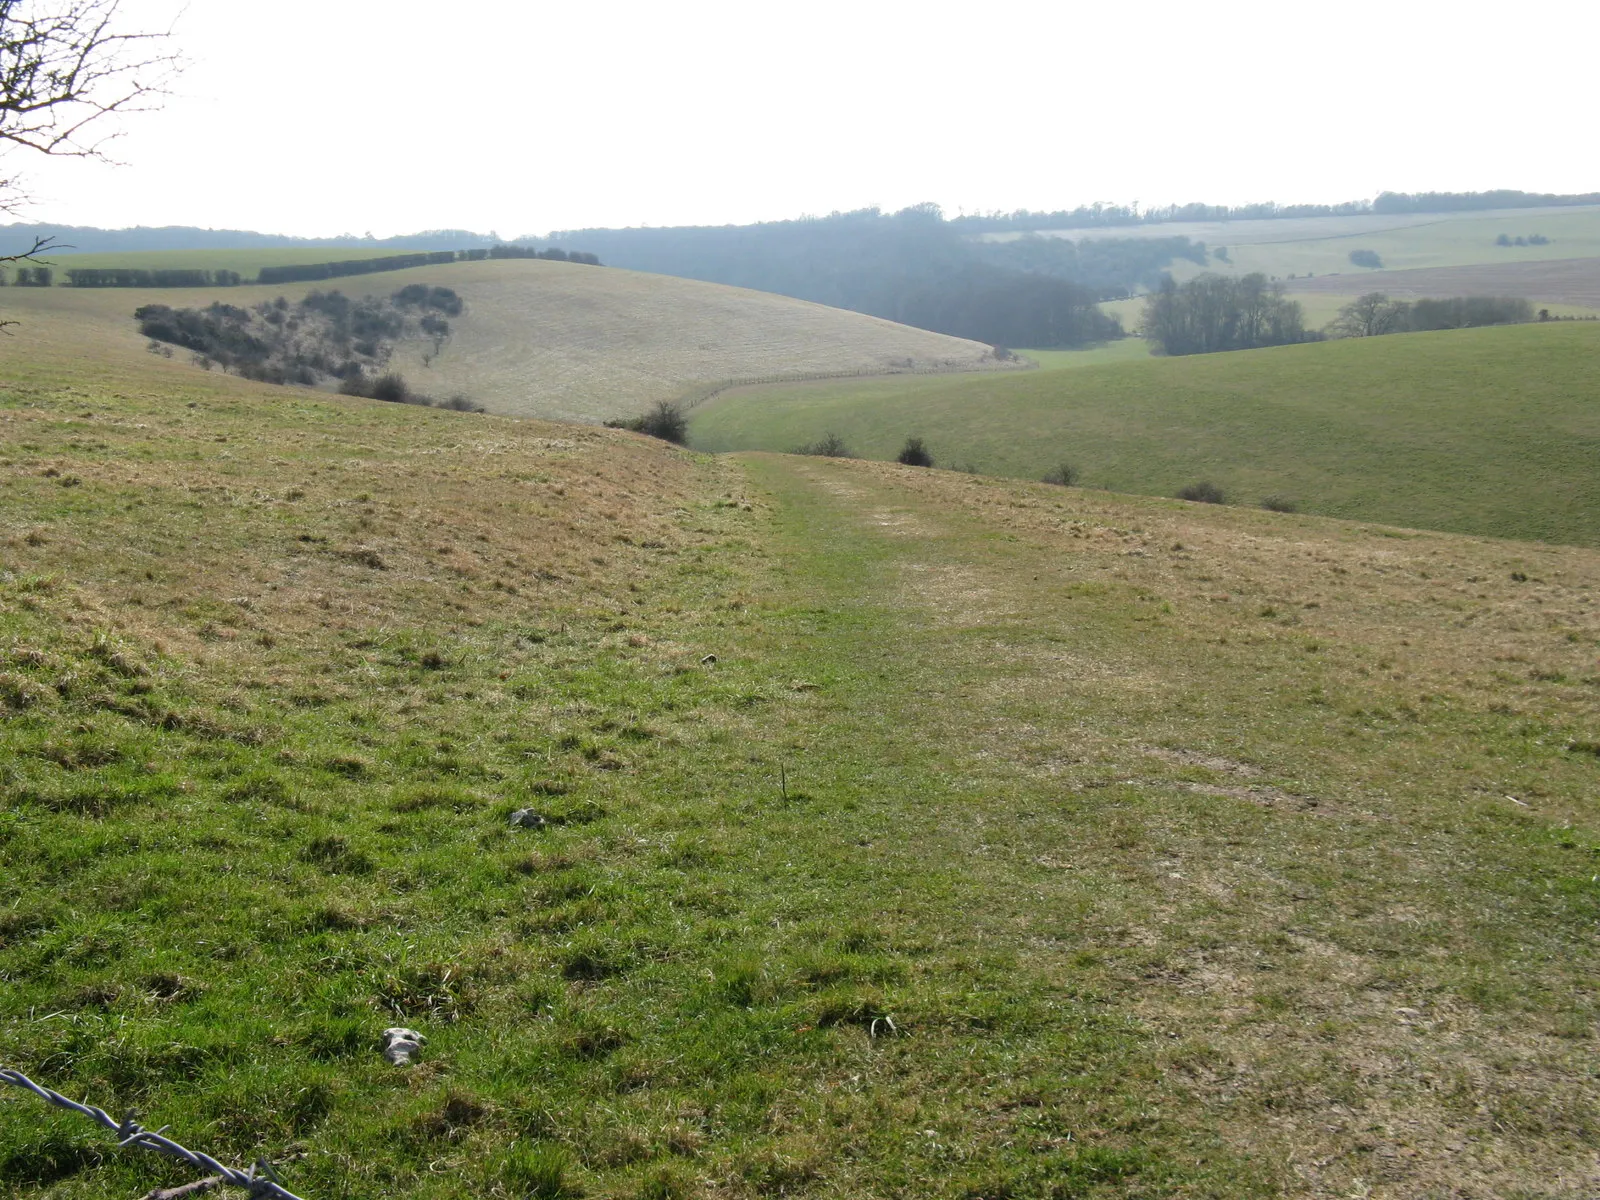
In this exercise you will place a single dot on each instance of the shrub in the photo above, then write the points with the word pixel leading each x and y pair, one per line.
pixel 830 445
pixel 459 403
pixel 1366 258
pixel 1063 476
pixel 667 422
pixel 1277 503
pixel 390 387
pixel 915 454
pixel 1204 492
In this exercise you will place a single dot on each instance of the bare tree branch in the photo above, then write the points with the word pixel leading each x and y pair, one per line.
pixel 41 245
pixel 66 66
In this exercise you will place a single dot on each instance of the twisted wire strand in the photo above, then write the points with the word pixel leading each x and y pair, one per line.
pixel 261 1181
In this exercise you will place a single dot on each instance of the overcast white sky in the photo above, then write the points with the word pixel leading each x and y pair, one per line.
pixel 319 117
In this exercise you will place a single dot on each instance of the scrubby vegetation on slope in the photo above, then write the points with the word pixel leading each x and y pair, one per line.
pixel 321 336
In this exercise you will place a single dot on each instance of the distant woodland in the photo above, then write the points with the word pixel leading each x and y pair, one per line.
pixel 1095 216
pixel 913 267
pixel 87 239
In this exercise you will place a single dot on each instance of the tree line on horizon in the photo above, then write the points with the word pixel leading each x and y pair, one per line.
pixel 1091 216
pixel 139 277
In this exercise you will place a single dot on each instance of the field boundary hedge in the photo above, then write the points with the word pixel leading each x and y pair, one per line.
pixel 129 277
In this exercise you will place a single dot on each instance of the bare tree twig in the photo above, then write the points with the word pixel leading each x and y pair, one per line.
pixel 188 1189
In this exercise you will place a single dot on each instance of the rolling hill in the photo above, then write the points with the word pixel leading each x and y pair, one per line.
pixel 1565 283
pixel 1487 431
pixel 556 340
pixel 1321 245
pixel 880 832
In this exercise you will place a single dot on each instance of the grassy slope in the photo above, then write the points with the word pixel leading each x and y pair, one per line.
pixel 1491 431
pixel 1322 245
pixel 246 261
pixel 1126 847
pixel 556 340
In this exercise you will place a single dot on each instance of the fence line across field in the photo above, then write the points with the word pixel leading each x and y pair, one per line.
pixel 698 396
pixel 260 1180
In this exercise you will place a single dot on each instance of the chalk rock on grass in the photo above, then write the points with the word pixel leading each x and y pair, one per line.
pixel 527 818
pixel 402 1046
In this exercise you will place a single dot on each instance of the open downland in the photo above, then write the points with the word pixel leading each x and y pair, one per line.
pixel 1020 841
pixel 1322 245
pixel 551 339
pixel 1485 431
pixel 1567 281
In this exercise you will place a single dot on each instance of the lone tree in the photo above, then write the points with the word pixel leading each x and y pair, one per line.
pixel 1370 316
pixel 66 66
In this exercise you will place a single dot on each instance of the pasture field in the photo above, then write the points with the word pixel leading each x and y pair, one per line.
pixel 1129 349
pixel 1565 284
pixel 1486 431
pixel 1322 245
pixel 554 339
pixel 1321 300
pixel 1020 841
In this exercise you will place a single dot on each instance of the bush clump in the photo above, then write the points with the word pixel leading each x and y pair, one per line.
pixel 829 445
pixel 1280 504
pixel 323 338
pixel 392 388
pixel 1066 475
pixel 666 421
pixel 1204 492
pixel 915 454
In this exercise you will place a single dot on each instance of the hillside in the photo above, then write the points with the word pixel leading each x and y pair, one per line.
pixel 1321 245
pixel 1016 841
pixel 1571 282
pixel 1486 431
pixel 556 340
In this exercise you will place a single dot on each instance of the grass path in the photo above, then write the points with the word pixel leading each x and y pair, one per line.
pixel 1020 841
pixel 1307 912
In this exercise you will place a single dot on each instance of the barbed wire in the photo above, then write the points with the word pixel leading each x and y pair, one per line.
pixel 260 1180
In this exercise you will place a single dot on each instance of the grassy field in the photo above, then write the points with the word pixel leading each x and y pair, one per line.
pixel 1322 245
pixel 553 339
pixel 1489 431
pixel 1126 350
pixel 246 261
pixel 1562 284
pixel 1321 300
pixel 1019 841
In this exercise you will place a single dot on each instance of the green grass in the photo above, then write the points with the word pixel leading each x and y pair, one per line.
pixel 1019 842
pixel 1491 431
pixel 1129 349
